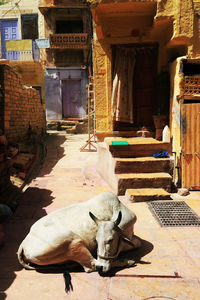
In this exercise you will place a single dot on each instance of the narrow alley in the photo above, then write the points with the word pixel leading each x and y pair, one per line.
pixel 167 265
pixel 127 74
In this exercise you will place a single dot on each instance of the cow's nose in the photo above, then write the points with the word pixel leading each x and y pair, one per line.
pixel 99 268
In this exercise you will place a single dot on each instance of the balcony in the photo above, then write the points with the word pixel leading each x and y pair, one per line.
pixel 44 5
pixel 21 50
pixel 68 41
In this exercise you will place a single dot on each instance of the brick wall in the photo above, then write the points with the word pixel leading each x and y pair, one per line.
pixel 21 106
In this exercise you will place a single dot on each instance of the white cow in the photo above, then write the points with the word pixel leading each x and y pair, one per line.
pixel 80 233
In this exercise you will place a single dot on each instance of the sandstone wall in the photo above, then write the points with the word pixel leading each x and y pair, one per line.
pixel 172 24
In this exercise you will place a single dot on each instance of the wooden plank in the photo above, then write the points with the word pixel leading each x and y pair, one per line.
pixel 190 142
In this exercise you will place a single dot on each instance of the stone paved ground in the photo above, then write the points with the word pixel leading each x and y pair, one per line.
pixel 169 267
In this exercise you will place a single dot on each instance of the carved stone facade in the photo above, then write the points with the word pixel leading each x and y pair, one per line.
pixel 172 29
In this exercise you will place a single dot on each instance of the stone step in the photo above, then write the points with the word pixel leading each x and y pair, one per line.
pixel 71 126
pixel 133 133
pixel 137 147
pixel 142 180
pixel 143 165
pixel 143 195
pixel 126 133
pixel 62 122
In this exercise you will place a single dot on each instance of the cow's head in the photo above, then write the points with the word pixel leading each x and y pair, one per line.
pixel 108 241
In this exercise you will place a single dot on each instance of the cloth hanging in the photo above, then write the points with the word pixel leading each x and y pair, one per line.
pixel 122 89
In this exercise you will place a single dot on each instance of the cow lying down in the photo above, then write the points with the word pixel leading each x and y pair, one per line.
pixel 101 227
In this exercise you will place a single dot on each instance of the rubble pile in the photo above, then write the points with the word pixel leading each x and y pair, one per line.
pixel 17 162
pixel 70 126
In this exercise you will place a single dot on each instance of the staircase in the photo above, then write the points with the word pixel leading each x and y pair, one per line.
pixel 132 170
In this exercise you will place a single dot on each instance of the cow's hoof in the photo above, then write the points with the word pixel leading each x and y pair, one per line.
pixel 130 263
pixel 88 270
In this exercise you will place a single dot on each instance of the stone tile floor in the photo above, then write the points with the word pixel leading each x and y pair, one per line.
pixel 167 266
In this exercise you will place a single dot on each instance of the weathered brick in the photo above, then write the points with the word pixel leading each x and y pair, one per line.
pixel 21 106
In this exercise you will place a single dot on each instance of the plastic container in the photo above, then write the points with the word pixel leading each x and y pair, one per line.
pixel 166 134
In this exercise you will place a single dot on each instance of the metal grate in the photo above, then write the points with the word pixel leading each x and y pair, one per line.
pixel 174 213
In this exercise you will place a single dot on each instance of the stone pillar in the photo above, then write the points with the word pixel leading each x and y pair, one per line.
pixel 102 79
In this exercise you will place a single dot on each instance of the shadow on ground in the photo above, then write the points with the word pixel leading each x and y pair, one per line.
pixel 30 208
pixel 54 151
pixel 135 255
pixel 73 267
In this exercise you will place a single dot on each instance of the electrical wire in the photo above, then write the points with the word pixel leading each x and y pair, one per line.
pixel 10 9
pixel 17 5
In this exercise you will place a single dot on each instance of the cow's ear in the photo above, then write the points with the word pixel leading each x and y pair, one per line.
pixel 118 218
pixel 93 217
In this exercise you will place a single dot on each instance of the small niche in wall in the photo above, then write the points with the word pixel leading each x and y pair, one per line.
pixel 189 101
pixel 190 69
pixel 69 26
pixel 38 88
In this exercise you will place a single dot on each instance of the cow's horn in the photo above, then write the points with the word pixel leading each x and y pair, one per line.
pixel 95 219
pixel 118 220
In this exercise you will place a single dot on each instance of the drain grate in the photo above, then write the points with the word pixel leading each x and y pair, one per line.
pixel 174 213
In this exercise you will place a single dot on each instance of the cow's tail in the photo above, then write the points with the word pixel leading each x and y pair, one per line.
pixel 68 282
pixel 66 275
pixel 20 255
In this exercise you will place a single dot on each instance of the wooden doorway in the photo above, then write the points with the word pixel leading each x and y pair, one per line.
pixel 144 91
pixel 143 85
pixel 190 143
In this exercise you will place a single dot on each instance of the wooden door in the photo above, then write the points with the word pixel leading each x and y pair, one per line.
pixel 71 99
pixel 144 91
pixel 9 31
pixel 190 142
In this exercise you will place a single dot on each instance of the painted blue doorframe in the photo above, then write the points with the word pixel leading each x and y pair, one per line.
pixel 9 31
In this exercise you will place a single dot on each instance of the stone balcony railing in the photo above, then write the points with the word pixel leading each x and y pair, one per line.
pixel 68 41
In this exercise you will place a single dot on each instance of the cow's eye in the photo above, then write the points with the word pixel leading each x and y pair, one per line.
pixel 109 240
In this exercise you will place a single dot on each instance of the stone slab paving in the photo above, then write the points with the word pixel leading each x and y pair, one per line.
pixel 167 266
